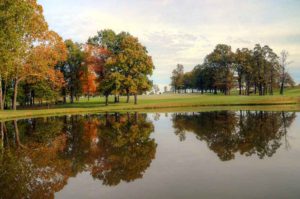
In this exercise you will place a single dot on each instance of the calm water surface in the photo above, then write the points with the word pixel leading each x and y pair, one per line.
pixel 226 154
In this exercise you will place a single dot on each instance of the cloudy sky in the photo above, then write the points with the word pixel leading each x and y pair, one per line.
pixel 176 31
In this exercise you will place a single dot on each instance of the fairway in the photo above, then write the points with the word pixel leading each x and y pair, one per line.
pixel 167 102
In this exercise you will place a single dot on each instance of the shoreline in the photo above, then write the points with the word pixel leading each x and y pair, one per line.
pixel 25 114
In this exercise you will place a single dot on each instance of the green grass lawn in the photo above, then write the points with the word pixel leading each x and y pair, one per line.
pixel 169 102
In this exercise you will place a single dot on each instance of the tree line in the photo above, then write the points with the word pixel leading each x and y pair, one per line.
pixel 36 65
pixel 256 71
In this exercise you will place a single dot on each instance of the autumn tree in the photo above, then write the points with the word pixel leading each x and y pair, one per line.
pixel 95 58
pixel 88 81
pixel 32 49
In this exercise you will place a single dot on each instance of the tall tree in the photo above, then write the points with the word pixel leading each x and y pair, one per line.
pixel 28 36
pixel 73 69
pixel 243 66
pixel 40 60
pixel 88 82
pixel 222 58
pixel 111 74
pixel 177 78
pixel 135 63
pixel 283 64
pixel 128 65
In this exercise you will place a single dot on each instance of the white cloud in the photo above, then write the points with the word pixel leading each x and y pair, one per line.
pixel 183 31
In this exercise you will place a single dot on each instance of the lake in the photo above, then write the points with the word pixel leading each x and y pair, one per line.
pixel 220 154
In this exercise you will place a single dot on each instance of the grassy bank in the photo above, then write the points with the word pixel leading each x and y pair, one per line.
pixel 169 103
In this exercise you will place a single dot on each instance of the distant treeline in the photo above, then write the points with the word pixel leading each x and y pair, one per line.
pixel 256 71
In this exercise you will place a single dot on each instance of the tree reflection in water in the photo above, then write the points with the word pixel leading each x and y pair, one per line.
pixel 39 155
pixel 227 133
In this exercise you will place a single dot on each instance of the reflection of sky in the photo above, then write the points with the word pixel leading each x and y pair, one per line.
pixel 184 31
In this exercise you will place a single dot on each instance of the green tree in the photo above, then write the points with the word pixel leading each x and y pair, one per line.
pixel 131 59
pixel 221 59
pixel 127 67
pixel 177 78
pixel 73 69
pixel 243 65
pixel 283 65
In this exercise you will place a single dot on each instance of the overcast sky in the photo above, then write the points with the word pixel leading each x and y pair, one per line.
pixel 177 31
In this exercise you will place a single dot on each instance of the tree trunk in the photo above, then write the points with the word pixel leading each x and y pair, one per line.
pixel 72 96
pixel 281 88
pixel 32 96
pixel 271 83
pixel 248 88
pixel 4 95
pixel 106 100
pixel 14 105
pixel 128 96
pixel 64 93
pixel 135 98
pixel 1 95
pixel 282 83
pixel 240 85
pixel 266 90
pixel 259 89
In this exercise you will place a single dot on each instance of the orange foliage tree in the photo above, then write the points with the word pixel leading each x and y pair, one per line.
pixel 95 61
pixel 39 49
